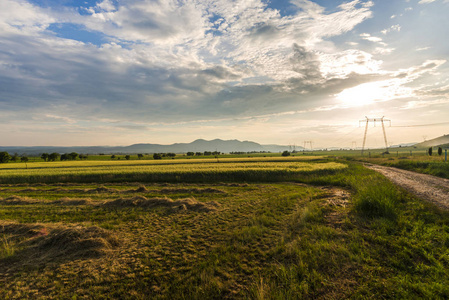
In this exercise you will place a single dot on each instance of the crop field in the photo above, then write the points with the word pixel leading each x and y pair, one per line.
pixel 244 169
pixel 246 228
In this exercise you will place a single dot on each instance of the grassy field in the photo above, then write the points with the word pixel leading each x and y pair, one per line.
pixel 296 228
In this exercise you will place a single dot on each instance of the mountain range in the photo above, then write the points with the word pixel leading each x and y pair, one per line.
pixel 200 145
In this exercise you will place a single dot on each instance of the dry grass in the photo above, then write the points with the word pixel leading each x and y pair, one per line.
pixel 38 244
pixel 17 200
pixel 181 204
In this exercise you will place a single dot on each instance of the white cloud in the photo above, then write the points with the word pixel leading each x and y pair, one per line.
pixel 368 37
pixel 396 27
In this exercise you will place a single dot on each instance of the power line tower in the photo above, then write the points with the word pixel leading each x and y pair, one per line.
pixel 310 143
pixel 374 120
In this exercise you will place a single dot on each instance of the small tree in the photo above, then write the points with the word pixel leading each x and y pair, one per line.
pixel 440 151
pixel 139 156
pixel 430 151
pixel 4 157
pixel 157 156
pixel 24 159
pixel 285 153
pixel 112 156
pixel 190 154
pixel 127 157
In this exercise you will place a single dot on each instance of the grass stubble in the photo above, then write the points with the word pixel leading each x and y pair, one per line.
pixel 342 234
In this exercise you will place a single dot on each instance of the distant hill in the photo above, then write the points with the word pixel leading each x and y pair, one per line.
pixel 200 145
pixel 439 141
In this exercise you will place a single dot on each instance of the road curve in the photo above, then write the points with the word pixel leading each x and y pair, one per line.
pixel 431 188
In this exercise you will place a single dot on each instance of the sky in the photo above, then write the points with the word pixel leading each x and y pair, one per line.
pixel 275 72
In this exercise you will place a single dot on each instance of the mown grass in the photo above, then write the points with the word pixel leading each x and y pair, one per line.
pixel 357 237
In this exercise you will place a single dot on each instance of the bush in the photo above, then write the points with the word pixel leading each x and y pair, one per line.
pixel 157 156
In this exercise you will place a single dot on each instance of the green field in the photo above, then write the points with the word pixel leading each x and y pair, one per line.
pixel 257 228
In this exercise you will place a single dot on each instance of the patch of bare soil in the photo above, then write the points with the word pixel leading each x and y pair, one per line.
pixel 336 199
pixel 431 188
pixel 181 204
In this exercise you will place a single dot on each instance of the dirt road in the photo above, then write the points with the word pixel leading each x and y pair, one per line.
pixel 428 187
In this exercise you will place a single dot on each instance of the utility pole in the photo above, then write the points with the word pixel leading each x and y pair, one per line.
pixel 374 120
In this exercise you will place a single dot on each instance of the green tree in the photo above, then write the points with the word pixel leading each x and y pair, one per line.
pixel 15 157
pixel 45 156
pixel 112 156
pixel 430 151
pixel 127 157
pixel 4 157
pixel 24 158
pixel 73 155
pixel 190 153
pixel 139 156
pixel 285 153
pixel 53 156
pixel 157 156
pixel 440 151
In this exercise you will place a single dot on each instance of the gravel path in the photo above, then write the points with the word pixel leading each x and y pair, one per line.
pixel 428 187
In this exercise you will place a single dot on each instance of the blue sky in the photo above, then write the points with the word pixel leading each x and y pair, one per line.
pixel 144 71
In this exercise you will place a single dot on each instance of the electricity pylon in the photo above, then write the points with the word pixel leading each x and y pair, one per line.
pixel 374 120
pixel 308 142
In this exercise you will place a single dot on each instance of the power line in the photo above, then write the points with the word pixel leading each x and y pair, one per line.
pixel 423 125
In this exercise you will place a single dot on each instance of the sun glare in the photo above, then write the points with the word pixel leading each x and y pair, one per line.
pixel 369 93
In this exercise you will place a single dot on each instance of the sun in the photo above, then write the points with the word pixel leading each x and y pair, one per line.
pixel 364 94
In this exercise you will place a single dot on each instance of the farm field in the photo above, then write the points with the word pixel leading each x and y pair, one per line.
pixel 295 228
pixel 245 169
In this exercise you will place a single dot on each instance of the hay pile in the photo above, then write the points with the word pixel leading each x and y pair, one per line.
pixel 181 204
pixel 69 201
pixel 191 191
pixel 74 242
pixel 17 200
pixel 43 244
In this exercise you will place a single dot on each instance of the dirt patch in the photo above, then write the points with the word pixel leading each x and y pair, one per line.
pixel 336 196
pixel 428 187
pixel 17 200
pixel 181 204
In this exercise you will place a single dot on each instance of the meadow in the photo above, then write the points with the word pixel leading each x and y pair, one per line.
pixel 257 228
